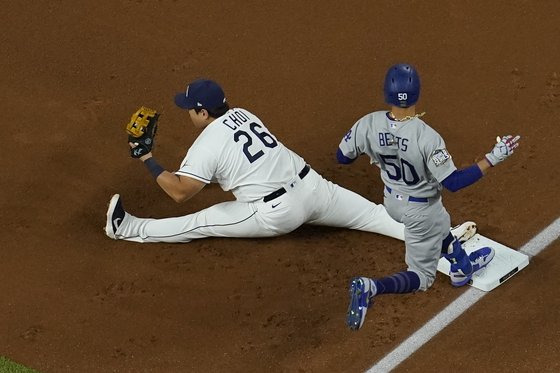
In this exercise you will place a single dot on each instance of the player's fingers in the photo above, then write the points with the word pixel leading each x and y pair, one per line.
pixel 132 145
pixel 514 141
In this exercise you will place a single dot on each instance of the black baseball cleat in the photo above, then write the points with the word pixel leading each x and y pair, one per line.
pixel 115 216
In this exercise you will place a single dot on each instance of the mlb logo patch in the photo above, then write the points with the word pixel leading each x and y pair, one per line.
pixel 440 156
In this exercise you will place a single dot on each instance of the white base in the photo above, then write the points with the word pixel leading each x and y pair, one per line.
pixel 505 264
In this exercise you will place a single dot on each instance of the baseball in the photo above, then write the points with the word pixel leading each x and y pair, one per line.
pixel 498 139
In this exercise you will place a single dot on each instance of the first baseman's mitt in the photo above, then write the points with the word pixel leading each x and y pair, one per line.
pixel 141 131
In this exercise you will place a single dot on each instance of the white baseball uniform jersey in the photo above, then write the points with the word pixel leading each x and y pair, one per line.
pixel 275 190
pixel 238 152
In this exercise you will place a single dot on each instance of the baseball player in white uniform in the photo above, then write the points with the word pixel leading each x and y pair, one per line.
pixel 275 190
pixel 415 165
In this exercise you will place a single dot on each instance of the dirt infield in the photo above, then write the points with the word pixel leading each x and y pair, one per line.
pixel 74 71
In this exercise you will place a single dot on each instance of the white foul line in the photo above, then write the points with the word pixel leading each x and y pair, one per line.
pixel 456 308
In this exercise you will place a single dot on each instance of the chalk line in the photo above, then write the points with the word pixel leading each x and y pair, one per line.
pixel 457 307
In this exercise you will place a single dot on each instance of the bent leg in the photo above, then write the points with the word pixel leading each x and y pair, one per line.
pixel 425 231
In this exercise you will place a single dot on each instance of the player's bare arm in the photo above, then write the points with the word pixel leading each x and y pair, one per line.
pixel 484 165
pixel 179 188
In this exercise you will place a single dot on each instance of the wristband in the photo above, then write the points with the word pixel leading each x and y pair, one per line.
pixel 154 168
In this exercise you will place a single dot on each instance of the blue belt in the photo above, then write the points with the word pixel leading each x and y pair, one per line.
pixel 411 199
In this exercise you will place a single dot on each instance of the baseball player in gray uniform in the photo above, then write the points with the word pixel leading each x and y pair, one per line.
pixel 415 165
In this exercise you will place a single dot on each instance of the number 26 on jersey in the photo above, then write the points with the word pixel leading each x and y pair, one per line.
pixel 251 148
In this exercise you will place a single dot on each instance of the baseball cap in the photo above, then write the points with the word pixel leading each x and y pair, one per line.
pixel 202 94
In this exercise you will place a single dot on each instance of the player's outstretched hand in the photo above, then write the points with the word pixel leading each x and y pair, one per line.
pixel 503 149
pixel 143 157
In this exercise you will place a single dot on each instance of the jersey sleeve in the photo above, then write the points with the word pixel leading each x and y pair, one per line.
pixel 350 145
pixel 198 164
pixel 438 159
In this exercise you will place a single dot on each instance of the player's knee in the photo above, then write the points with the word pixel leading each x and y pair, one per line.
pixel 429 281
pixel 426 280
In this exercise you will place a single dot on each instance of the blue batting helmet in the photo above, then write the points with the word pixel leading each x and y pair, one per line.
pixel 402 85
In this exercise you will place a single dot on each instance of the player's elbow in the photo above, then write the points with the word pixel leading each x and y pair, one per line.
pixel 342 159
pixel 177 197
pixel 187 189
pixel 451 185
pixel 177 194
pixel 451 188
pixel 180 188
pixel 180 199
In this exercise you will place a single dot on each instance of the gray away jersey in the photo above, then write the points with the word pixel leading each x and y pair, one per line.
pixel 411 155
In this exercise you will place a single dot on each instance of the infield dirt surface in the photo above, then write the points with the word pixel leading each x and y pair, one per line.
pixel 73 72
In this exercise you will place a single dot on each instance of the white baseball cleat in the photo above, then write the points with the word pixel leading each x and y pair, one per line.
pixel 465 231
pixel 115 216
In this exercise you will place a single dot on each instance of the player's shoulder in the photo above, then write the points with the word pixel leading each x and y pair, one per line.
pixel 240 113
pixel 244 115
pixel 374 115
pixel 425 127
pixel 229 119
pixel 242 110
pixel 427 136
pixel 372 119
